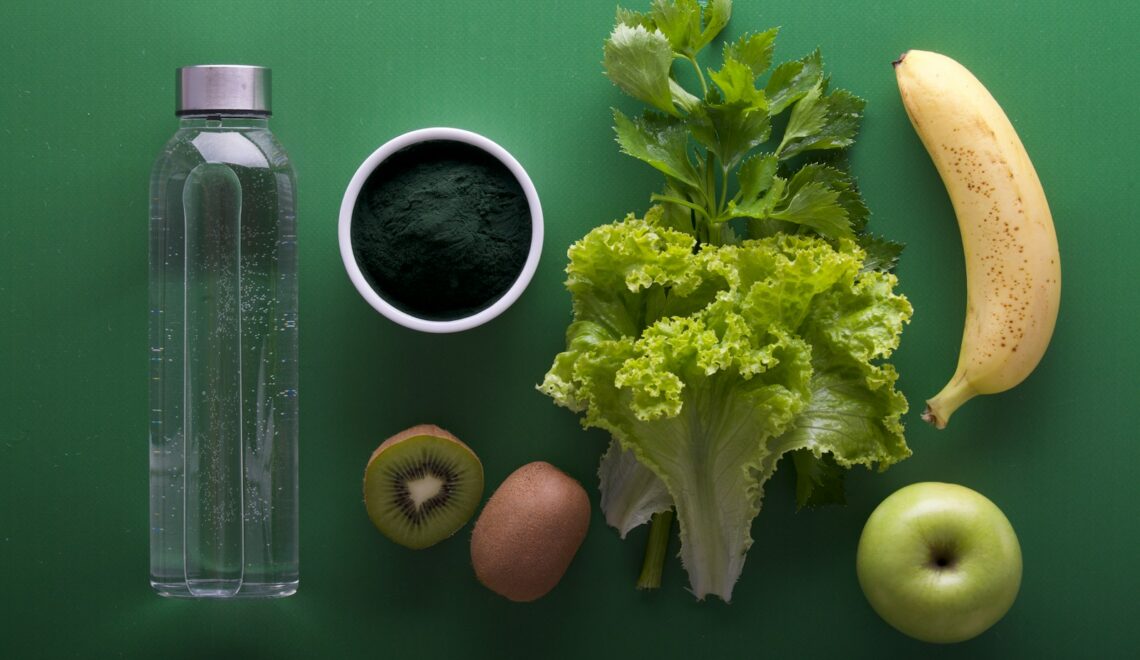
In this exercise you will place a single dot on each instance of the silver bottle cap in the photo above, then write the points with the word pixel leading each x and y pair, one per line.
pixel 222 88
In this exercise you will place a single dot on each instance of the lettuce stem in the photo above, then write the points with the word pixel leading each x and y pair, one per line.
pixel 655 550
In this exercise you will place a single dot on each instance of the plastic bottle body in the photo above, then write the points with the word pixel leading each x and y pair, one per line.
pixel 223 363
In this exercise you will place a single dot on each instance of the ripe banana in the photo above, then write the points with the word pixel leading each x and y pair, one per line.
pixel 1013 268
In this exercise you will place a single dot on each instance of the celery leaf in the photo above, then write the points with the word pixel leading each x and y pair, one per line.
pixel 817 206
pixel 730 130
pixel 638 61
pixel 716 15
pixel 679 21
pixel 882 254
pixel 756 175
pixel 753 50
pixel 822 122
pixel 737 83
pixel 792 80
pixel 662 143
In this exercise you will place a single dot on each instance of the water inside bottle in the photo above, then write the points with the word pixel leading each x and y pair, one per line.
pixel 223 500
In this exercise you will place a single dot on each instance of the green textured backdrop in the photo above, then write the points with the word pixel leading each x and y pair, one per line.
pixel 86 103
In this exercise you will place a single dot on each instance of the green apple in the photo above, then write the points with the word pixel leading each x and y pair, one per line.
pixel 939 562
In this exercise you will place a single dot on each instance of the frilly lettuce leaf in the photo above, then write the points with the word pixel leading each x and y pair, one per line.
pixel 708 364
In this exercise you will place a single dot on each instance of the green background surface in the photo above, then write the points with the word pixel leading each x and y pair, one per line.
pixel 86 102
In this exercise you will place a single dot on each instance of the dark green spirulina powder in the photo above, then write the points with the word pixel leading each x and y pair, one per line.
pixel 441 229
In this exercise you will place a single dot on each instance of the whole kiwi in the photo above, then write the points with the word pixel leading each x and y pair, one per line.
pixel 529 531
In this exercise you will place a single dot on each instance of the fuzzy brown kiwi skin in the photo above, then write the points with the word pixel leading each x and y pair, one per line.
pixel 418 429
pixel 529 532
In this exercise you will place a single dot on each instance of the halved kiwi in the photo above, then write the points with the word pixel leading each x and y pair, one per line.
pixel 421 485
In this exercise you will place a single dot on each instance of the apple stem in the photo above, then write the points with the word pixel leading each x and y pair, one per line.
pixel 656 548
pixel 943 556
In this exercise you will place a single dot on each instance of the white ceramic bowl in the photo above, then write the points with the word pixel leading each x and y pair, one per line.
pixel 348 204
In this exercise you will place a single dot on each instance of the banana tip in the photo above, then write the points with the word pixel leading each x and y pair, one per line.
pixel 933 418
pixel 899 61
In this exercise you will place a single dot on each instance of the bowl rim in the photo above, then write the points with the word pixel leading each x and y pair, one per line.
pixel 348 205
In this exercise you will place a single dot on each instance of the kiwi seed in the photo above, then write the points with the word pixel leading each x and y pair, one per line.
pixel 421 485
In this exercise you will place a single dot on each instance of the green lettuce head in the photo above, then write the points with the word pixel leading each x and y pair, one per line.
pixel 708 363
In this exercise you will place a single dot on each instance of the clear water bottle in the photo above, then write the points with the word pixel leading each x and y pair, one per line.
pixel 223 345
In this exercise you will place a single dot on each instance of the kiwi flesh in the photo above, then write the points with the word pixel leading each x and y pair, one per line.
pixel 422 485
